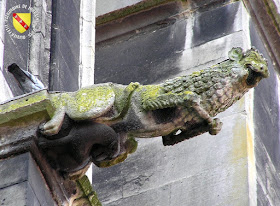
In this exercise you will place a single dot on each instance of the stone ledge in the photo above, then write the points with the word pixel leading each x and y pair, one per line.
pixel 25 105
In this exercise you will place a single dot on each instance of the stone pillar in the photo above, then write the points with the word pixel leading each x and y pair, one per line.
pixel 58 32
pixel 87 43
pixel 4 88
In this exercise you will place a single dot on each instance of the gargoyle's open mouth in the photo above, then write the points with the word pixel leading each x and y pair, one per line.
pixel 253 77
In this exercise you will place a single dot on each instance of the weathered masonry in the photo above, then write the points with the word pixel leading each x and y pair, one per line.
pixel 80 42
pixel 238 166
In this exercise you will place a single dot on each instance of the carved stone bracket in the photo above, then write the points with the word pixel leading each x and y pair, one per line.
pixel 19 121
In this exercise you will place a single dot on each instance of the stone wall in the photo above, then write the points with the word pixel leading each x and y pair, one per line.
pixel 22 182
pixel 227 169
pixel 267 139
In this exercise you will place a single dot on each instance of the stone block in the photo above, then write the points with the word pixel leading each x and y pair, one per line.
pixel 143 58
pixel 87 59
pixel 211 187
pixel 155 197
pixel 86 76
pixel 36 54
pixel 87 29
pixel 2 17
pixel 22 182
pixel 38 184
pixel 132 19
pixel 216 23
pixel 194 59
pixel 204 4
pixel 88 10
pixel 26 105
pixel 164 53
pixel 19 166
pixel 107 183
pixel 103 7
pixel 38 18
pixel 19 194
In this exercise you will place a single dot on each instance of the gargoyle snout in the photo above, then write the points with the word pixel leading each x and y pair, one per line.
pixel 262 70
pixel 256 73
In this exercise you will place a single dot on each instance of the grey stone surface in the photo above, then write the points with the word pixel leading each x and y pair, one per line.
pixel 19 194
pixel 155 197
pixel 143 58
pixel 107 6
pixel 22 182
pixel 39 46
pixel 218 161
pixel 16 50
pixel 161 15
pixel 216 23
pixel 204 4
pixel 159 52
pixel 13 170
pixel 216 184
pixel 65 49
pixel 267 143
pixel 205 170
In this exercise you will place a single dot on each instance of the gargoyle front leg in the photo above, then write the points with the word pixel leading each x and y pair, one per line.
pixel 215 125
pixel 53 126
pixel 185 99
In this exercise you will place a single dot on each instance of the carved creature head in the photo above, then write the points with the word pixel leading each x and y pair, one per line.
pixel 253 62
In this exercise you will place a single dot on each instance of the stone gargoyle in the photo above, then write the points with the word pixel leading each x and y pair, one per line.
pixel 105 118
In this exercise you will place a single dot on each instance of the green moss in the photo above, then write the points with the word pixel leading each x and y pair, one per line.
pixel 187 92
pixel 84 184
pixel 25 106
pixel 109 163
pixel 131 145
pixel 86 99
pixel 150 92
pixel 197 73
pixel 23 102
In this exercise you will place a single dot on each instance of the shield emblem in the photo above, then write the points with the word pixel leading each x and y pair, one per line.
pixel 21 21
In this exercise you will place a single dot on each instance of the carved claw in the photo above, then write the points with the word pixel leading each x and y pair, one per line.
pixel 215 126
pixel 53 126
pixel 49 129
